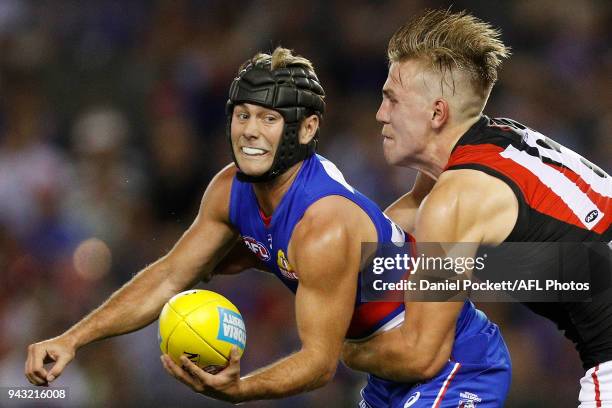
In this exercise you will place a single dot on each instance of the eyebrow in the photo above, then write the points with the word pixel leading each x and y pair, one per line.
pixel 261 110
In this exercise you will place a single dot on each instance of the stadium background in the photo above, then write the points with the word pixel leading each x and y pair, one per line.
pixel 112 123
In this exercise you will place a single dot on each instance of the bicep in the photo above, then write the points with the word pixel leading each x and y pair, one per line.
pixel 208 238
pixel 199 250
pixel 326 293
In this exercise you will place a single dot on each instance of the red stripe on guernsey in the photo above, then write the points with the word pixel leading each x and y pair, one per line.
pixel 450 377
pixel 596 382
pixel 368 315
pixel 537 195
pixel 266 220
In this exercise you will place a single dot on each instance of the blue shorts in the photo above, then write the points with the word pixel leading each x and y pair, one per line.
pixel 478 376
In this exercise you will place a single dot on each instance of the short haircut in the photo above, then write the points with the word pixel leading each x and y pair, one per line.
pixel 448 41
pixel 280 58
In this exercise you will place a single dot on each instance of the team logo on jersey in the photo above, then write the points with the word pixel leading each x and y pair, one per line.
pixel 257 247
pixel 468 400
pixel 590 217
pixel 413 398
pixel 285 266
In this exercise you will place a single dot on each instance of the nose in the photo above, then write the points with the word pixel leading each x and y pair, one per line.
pixel 251 128
pixel 382 115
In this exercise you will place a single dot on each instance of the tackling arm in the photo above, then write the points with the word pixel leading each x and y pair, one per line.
pixel 404 210
pixel 464 206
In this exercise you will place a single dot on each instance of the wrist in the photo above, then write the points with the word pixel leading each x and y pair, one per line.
pixel 73 338
pixel 242 393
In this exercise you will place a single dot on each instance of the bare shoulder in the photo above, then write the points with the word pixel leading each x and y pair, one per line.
pixel 222 181
pixel 215 201
pixel 331 228
pixel 326 220
pixel 334 213
pixel 468 205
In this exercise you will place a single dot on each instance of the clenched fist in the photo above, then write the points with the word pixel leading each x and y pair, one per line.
pixel 60 350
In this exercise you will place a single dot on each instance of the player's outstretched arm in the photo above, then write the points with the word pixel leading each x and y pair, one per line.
pixel 140 300
pixel 464 206
pixel 326 256
pixel 404 210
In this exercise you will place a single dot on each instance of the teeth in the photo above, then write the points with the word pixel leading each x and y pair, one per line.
pixel 252 151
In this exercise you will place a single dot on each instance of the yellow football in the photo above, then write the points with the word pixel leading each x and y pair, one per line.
pixel 202 325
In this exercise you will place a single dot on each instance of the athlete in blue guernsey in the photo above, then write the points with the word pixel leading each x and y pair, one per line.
pixel 269 238
pixel 480 367
pixel 312 239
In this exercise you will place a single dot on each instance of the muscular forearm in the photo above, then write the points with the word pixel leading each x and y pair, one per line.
pixel 133 306
pixel 299 372
pixel 395 356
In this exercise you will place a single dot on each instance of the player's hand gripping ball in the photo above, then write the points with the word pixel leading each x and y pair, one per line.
pixel 202 325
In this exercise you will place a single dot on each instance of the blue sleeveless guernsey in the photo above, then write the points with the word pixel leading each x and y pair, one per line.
pixel 269 240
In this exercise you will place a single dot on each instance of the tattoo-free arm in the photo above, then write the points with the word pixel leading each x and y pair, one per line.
pixel 326 257
pixel 140 300
pixel 404 210
pixel 464 206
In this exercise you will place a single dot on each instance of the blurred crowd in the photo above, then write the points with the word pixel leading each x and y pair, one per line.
pixel 112 123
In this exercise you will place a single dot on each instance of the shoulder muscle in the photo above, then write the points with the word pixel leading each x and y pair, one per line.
pixel 467 206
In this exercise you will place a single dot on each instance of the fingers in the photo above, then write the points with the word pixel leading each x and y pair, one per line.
pixel 233 368
pixel 195 371
pixel 34 369
pixel 60 363
pixel 178 373
pixel 235 355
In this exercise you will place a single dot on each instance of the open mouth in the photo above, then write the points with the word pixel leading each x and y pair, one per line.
pixel 253 151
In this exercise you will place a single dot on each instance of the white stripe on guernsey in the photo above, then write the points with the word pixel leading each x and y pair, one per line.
pixel 571 160
pixel 398 237
pixel 391 324
pixel 572 196
pixel 588 394
pixel 443 389
pixel 334 173
pixel 363 403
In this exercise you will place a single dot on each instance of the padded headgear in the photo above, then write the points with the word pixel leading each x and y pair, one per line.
pixel 293 91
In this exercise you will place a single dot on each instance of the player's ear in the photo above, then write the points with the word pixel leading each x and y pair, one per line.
pixel 440 113
pixel 308 128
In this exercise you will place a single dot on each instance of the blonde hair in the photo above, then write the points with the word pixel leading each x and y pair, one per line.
pixel 280 58
pixel 450 41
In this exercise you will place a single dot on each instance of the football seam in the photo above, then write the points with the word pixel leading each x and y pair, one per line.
pixel 173 329
pixel 204 340
pixel 194 330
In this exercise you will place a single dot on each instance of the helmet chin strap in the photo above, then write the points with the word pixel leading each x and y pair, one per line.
pixel 288 153
pixel 295 93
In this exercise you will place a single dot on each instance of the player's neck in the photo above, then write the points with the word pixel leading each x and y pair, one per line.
pixel 270 194
pixel 436 157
